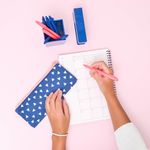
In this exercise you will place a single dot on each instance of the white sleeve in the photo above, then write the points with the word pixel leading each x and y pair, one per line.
pixel 129 138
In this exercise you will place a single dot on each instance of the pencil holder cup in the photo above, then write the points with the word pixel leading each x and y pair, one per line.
pixel 60 26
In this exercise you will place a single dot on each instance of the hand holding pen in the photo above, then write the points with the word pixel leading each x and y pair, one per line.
pixel 103 76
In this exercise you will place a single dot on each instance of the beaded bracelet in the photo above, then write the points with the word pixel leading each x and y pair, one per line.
pixel 59 134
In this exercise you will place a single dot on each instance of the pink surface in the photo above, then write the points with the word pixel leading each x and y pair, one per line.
pixel 122 26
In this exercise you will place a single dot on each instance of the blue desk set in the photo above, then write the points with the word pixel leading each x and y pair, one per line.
pixel 79 26
pixel 56 26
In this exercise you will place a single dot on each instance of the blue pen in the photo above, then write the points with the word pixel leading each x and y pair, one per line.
pixel 43 20
pixel 49 24
pixel 53 24
pixel 52 18
pixel 47 39
pixel 63 37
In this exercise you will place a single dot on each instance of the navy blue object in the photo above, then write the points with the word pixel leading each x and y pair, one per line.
pixel 54 26
pixel 32 109
pixel 47 39
pixel 63 37
pixel 49 24
pixel 43 20
pixel 79 26
pixel 60 27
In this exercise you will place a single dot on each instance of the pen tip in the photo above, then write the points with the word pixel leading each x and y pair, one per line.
pixel 37 22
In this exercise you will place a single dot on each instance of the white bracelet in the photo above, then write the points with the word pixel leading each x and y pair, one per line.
pixel 59 134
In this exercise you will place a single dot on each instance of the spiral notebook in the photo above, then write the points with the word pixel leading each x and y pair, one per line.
pixel 86 101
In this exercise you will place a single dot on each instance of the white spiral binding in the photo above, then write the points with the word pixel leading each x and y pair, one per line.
pixel 109 59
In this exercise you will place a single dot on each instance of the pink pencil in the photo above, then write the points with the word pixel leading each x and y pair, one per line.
pixel 48 31
pixel 102 73
pixel 49 34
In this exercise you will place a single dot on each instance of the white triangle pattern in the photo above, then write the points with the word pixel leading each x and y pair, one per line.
pixel 33 110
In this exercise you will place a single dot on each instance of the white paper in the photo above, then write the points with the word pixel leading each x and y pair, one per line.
pixel 86 101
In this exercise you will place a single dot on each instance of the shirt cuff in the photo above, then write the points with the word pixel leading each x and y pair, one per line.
pixel 129 138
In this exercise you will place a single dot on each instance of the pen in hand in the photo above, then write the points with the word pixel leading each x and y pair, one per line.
pixel 102 73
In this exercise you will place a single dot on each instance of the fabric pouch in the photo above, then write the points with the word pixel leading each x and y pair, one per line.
pixel 32 109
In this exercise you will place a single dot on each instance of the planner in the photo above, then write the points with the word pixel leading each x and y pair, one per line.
pixel 86 101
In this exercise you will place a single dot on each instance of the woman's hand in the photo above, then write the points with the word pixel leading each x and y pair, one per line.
pixel 105 84
pixel 58 112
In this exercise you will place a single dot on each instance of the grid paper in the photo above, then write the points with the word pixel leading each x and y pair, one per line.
pixel 85 100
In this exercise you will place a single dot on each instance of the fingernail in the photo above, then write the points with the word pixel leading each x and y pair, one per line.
pixel 59 91
pixel 92 71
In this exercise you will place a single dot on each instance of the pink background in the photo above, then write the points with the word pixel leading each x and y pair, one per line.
pixel 122 26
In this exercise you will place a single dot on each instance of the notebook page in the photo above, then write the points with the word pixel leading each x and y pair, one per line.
pixel 86 101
